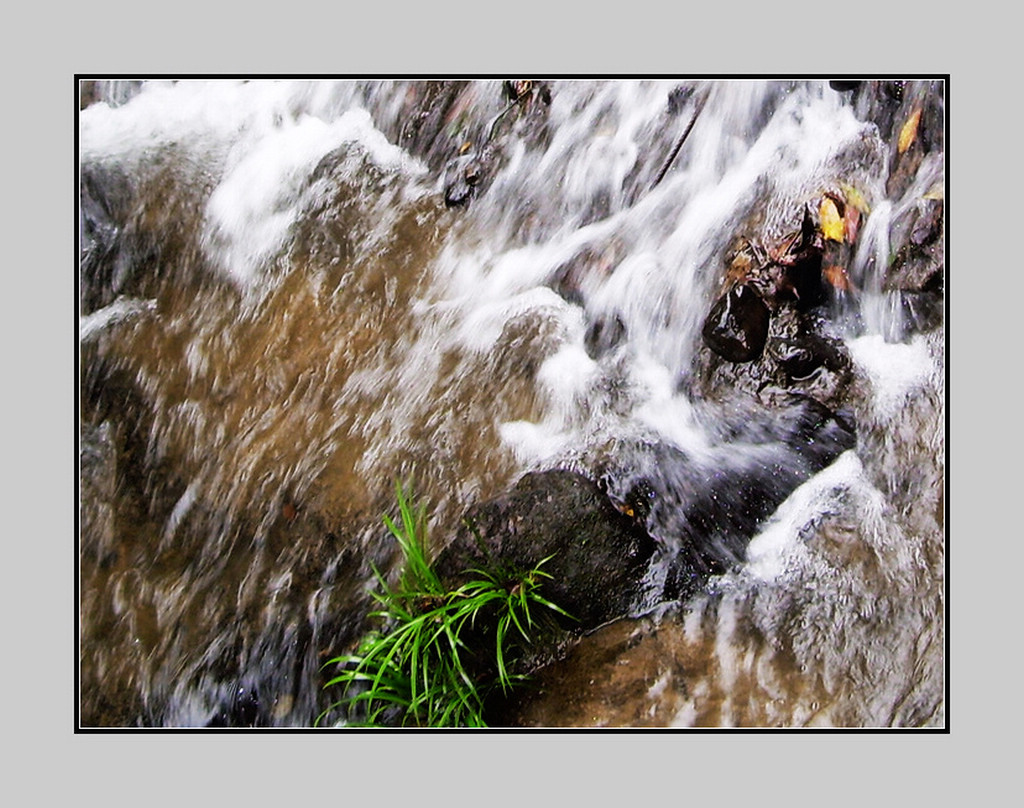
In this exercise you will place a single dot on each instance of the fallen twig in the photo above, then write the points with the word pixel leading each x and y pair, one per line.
pixel 682 139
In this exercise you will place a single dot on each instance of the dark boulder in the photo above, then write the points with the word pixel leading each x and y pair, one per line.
pixel 737 326
pixel 658 524
pixel 598 554
pixel 844 86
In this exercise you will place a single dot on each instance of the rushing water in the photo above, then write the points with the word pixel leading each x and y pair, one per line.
pixel 279 317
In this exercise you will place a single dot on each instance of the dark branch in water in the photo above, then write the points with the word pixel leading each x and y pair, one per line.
pixel 519 91
pixel 497 119
pixel 682 139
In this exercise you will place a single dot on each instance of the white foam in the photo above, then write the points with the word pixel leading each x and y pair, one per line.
pixel 664 411
pixel 775 548
pixel 485 318
pixel 896 370
pixel 566 376
pixel 123 308
pixel 251 211
pixel 258 141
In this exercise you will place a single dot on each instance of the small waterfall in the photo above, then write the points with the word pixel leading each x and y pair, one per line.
pixel 293 293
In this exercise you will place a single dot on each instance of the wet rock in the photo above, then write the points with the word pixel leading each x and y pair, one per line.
pixel 915 279
pixel 783 272
pixel 466 176
pixel 102 269
pixel 890 105
pixel 928 223
pixel 243 711
pixel 592 265
pixel 844 86
pixel 429 111
pixel 879 102
pixel 132 247
pixel 88 94
pixel 805 353
pixel 462 178
pixel 777 330
pixel 913 313
pixel 797 358
pixel 917 132
pixel 737 326
pixel 919 259
pixel 599 554
pixel 923 311
pixel 485 134
pixel 802 355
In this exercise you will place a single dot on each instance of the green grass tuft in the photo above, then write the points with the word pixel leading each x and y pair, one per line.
pixel 418 669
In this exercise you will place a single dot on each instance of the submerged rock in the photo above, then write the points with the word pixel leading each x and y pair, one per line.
pixel 703 511
pixel 604 334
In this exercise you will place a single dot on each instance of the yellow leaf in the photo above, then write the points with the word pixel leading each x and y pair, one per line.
pixel 831 222
pixel 909 131
pixel 935 192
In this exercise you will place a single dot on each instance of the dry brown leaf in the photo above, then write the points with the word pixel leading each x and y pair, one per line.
pixel 852 223
pixel 909 131
pixel 739 268
pixel 838 278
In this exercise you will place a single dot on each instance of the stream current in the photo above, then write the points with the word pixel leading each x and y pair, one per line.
pixel 280 316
